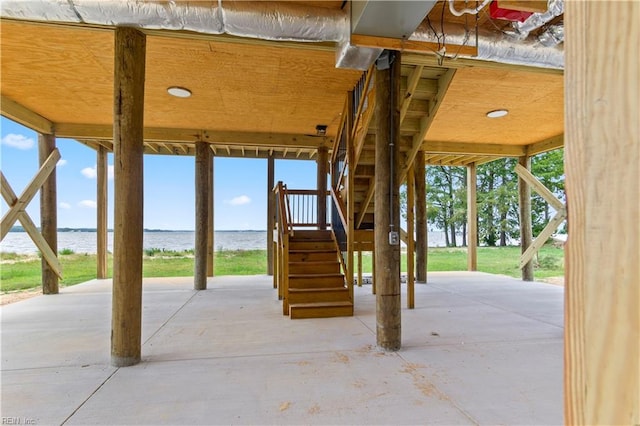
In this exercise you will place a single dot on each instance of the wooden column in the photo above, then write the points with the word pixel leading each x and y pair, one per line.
pixel 202 215
pixel 48 213
pixel 271 213
pixel 526 233
pixel 387 206
pixel 472 217
pixel 102 261
pixel 210 215
pixel 410 241
pixel 421 218
pixel 351 217
pixel 602 166
pixel 323 165
pixel 130 46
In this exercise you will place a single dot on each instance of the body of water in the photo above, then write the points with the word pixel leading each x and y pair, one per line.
pixel 85 242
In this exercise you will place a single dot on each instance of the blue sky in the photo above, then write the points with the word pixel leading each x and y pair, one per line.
pixel 240 193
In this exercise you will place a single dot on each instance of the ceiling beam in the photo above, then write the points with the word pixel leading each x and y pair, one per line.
pixel 23 115
pixel 432 61
pixel 402 45
pixel 436 147
pixel 171 135
pixel 550 144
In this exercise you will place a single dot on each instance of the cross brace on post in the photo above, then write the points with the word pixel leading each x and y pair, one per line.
pixel 554 223
pixel 17 206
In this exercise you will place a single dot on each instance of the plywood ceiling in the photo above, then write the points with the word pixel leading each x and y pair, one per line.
pixel 65 75
pixel 535 103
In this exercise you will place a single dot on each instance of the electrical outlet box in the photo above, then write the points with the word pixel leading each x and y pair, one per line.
pixel 394 238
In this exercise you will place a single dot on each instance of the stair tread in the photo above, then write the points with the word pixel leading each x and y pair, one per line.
pixel 304 262
pixel 318 290
pixel 316 275
pixel 321 304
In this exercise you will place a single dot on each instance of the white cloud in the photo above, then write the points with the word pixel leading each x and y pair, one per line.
pixel 18 141
pixel 64 205
pixel 92 172
pixel 88 204
pixel 238 201
pixel 89 172
pixel 61 163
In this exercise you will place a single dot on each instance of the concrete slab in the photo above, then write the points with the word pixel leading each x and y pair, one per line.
pixel 478 349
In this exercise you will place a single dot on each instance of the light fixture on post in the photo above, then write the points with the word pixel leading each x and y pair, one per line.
pixel 179 92
pixel 497 113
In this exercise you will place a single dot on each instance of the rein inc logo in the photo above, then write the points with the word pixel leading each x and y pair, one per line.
pixel 18 421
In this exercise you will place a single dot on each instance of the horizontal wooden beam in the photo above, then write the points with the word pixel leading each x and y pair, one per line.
pixel 414 46
pixel 432 61
pixel 20 114
pixel 550 144
pixel 172 135
pixel 442 147
pixel 533 6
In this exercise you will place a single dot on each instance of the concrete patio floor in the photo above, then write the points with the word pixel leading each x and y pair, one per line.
pixel 478 349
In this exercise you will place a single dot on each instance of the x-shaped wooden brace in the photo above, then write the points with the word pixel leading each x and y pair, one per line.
pixel 560 216
pixel 17 206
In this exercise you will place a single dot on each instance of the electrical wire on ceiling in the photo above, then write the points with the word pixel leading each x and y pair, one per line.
pixel 473 11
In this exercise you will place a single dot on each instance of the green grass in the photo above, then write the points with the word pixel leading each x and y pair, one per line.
pixel 18 272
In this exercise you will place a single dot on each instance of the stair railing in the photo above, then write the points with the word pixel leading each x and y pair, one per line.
pixel 284 230
pixel 355 119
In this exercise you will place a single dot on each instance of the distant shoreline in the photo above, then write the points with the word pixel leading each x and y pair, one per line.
pixel 21 229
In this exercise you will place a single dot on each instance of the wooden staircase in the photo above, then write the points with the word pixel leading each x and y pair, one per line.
pixel 316 286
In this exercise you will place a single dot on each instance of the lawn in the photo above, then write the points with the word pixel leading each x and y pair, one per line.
pixel 19 272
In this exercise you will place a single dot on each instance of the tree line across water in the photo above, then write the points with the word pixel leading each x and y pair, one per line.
pixel 497 198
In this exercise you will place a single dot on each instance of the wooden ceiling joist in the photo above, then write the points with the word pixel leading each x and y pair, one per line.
pixel 441 147
pixel 88 131
pixel 546 145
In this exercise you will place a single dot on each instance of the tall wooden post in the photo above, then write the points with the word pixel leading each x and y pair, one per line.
pixel 472 217
pixel 323 164
pixel 351 217
pixel 421 218
pixel 387 205
pixel 602 166
pixel 410 241
pixel 48 213
pixel 101 223
pixel 202 215
pixel 130 47
pixel 210 210
pixel 271 213
pixel 526 233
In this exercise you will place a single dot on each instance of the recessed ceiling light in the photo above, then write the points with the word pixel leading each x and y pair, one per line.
pixel 497 113
pixel 179 92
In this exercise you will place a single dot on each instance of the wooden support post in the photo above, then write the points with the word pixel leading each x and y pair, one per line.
pixel 526 231
pixel 210 215
pixel 602 166
pixel 202 215
pixel 359 268
pixel 373 272
pixel 271 215
pixel 350 197
pixel 102 260
pixel 387 206
pixel 410 240
pixel 472 217
pixel 128 125
pixel 323 165
pixel 48 213
pixel 421 218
